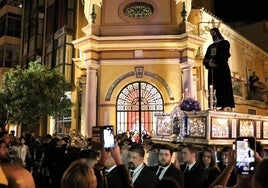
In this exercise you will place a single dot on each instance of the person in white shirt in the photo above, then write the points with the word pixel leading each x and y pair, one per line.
pixel 23 151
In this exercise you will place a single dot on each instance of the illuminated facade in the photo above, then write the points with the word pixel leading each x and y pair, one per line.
pixel 129 60
pixel 128 44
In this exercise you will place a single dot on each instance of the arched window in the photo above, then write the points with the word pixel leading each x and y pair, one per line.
pixel 136 105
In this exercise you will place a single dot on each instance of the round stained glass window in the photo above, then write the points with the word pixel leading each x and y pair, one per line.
pixel 138 10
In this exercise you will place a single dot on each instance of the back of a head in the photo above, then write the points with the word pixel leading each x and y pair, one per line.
pixel 80 174
pixel 48 136
pixel 260 179
pixel 155 146
pixel 89 154
pixel 18 177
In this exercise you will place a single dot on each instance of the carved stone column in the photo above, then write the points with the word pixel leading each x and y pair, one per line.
pixel 91 97
pixel 187 77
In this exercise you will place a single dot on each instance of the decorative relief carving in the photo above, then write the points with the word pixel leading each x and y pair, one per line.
pixel 138 10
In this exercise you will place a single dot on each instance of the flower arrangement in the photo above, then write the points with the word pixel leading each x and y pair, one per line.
pixel 190 104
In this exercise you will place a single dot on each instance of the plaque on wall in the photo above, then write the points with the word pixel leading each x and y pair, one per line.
pixel 197 126
pixel 246 128
pixel 164 127
pixel 220 127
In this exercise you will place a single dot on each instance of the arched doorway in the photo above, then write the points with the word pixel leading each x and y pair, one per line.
pixel 135 108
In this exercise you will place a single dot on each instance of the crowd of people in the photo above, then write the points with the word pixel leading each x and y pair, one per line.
pixel 53 163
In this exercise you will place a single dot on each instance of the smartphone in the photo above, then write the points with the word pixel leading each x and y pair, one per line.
pixel 245 148
pixel 108 136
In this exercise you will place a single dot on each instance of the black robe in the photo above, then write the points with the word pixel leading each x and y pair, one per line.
pixel 220 76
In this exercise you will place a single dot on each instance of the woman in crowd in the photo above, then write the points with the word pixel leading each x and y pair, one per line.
pixel 80 174
pixel 208 162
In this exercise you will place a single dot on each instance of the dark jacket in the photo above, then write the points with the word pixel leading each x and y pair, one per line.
pixel 146 179
pixel 172 172
pixel 232 179
pixel 118 178
pixel 195 178
pixel 211 175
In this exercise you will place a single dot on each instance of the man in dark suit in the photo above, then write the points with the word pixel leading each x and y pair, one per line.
pixel 114 174
pixel 142 176
pixel 194 174
pixel 166 169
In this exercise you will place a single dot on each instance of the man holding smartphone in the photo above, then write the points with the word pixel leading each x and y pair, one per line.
pixel 114 172
pixel 243 180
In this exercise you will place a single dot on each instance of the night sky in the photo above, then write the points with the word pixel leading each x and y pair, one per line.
pixel 241 10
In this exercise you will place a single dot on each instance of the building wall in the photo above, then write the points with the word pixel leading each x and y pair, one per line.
pixel 10 16
pixel 115 22
pixel 117 44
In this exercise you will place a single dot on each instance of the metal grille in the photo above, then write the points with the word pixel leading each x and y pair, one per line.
pixel 136 105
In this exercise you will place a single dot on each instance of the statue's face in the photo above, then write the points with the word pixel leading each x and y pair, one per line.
pixel 213 33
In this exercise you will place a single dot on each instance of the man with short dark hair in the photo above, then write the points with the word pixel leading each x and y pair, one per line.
pixel 152 157
pixel 166 169
pixel 194 173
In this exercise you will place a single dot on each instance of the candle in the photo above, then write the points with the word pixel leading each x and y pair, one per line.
pixel 211 88
pixel 186 94
pixel 211 97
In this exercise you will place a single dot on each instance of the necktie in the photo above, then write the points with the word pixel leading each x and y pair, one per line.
pixel 105 183
pixel 131 168
pixel 159 171
pixel 131 173
pixel 186 169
